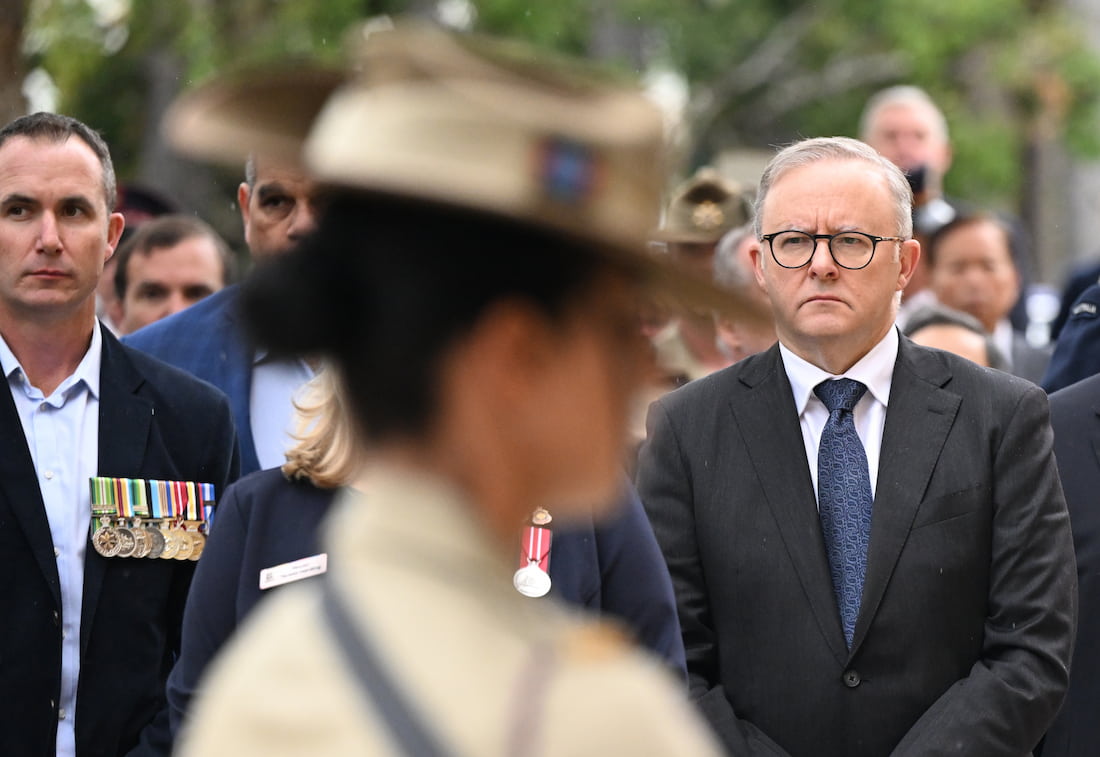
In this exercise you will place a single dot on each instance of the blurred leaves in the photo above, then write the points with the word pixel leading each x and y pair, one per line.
pixel 761 72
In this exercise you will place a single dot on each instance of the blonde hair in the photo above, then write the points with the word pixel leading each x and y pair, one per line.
pixel 327 451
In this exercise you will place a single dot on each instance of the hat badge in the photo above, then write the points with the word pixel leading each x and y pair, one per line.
pixel 707 216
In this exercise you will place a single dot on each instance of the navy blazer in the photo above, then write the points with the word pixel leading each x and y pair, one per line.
pixel 264 520
pixel 1075 417
pixel 1077 351
pixel 208 340
pixel 154 422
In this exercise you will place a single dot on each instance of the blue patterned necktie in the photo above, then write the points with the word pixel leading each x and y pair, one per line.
pixel 844 496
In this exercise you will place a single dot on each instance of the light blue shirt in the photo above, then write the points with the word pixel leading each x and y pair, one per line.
pixel 875 370
pixel 62 432
pixel 274 385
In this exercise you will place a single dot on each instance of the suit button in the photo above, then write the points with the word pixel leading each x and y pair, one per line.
pixel 56 618
pixel 851 679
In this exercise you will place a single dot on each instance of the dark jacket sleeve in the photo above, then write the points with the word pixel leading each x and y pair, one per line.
pixel 665 488
pixel 636 587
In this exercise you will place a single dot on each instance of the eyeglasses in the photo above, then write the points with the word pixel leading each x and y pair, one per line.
pixel 850 249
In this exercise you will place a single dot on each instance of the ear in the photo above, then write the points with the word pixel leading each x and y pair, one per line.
pixel 756 252
pixel 116 222
pixel 244 196
pixel 908 257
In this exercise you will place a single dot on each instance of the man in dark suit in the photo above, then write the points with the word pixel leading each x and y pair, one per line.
pixel 87 641
pixel 892 575
pixel 1075 418
pixel 278 206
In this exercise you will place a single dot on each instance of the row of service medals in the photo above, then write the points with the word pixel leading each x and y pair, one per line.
pixel 532 579
pixel 133 517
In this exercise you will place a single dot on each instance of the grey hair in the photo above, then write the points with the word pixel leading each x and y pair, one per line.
pixel 729 269
pixel 903 94
pixel 819 149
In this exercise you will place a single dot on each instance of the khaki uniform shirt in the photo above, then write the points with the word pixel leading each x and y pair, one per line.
pixel 490 672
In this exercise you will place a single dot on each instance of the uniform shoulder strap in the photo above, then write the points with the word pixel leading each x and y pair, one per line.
pixel 409 731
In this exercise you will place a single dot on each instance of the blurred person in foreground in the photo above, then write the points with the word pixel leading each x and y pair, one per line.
pixel 867 538
pixel 167 266
pixel 971 269
pixel 279 203
pixel 943 328
pixel 267 537
pixel 484 326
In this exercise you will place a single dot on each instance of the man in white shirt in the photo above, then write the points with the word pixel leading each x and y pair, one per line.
pixel 279 206
pixel 867 538
pixel 88 640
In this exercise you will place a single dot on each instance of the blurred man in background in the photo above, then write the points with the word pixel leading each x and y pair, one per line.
pixel 279 206
pixel 971 268
pixel 171 263
pixel 702 209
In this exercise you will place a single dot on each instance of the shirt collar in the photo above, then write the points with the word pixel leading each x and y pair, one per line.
pixel 87 371
pixel 875 370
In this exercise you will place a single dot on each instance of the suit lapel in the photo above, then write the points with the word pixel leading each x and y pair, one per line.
pixel 917 401
pixel 124 423
pixel 20 487
pixel 778 455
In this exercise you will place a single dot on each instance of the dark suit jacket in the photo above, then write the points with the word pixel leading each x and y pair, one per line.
pixel 966 624
pixel 1075 417
pixel 1077 351
pixel 154 422
pixel 265 520
pixel 208 340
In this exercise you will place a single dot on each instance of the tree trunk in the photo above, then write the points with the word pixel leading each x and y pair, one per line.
pixel 13 15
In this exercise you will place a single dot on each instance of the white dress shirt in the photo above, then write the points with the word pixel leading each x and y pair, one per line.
pixel 62 432
pixel 271 401
pixel 875 370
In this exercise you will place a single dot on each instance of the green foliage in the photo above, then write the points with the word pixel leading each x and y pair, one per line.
pixel 1006 72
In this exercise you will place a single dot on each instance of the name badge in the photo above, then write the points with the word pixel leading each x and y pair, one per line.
pixel 277 575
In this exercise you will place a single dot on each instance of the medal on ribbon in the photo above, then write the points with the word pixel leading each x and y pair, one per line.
pixel 132 517
pixel 532 579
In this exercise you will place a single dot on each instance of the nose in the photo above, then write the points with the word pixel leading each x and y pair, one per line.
pixel 822 264
pixel 49 240
pixel 303 221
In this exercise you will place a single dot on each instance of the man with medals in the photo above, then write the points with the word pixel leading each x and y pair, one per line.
pixel 89 638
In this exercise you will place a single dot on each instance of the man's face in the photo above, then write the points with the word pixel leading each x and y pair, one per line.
pixel 821 308
pixel 973 272
pixel 908 136
pixel 166 280
pixel 55 228
pixel 278 210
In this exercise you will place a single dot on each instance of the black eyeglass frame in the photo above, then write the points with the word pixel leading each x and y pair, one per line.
pixel 875 239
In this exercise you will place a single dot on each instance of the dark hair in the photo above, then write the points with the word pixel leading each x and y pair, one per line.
pixel 57 128
pixel 963 220
pixel 162 232
pixel 941 315
pixel 385 286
